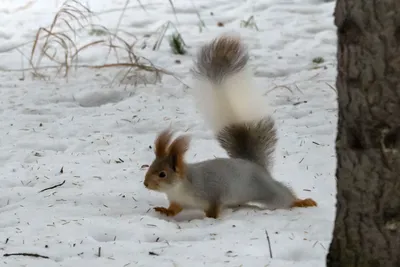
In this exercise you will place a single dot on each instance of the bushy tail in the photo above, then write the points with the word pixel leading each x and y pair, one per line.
pixel 254 141
pixel 230 103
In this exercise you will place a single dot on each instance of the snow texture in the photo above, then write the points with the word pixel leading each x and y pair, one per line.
pixel 100 133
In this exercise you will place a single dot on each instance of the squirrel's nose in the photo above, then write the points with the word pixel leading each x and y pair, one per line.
pixel 145 184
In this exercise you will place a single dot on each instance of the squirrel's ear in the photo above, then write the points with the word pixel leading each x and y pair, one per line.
pixel 177 151
pixel 161 143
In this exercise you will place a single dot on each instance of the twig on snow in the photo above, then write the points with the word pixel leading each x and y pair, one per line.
pixel 52 187
pixel 25 254
pixel 269 243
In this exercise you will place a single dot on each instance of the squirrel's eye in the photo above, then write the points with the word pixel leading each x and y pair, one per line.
pixel 162 174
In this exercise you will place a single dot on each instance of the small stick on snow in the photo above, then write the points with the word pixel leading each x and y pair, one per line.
pixel 298 103
pixel 99 252
pixel 269 243
pixel 25 254
pixel 52 187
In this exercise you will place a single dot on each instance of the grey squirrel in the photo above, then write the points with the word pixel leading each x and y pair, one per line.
pixel 243 128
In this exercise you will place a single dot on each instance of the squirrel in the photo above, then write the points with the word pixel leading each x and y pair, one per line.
pixel 243 128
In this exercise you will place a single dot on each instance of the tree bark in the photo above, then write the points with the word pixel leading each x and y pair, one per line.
pixel 367 224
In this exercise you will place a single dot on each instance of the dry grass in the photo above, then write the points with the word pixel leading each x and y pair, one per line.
pixel 294 84
pixel 249 23
pixel 57 44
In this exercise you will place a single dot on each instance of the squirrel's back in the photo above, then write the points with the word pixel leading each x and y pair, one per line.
pixel 246 182
pixel 231 104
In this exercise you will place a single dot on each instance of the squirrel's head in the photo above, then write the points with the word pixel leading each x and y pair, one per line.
pixel 168 168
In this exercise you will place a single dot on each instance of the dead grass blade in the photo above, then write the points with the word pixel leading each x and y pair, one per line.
pixel 173 9
pixel 70 12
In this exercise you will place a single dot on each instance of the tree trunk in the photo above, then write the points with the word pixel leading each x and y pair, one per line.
pixel 367 225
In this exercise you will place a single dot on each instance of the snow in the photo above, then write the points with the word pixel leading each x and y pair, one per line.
pixel 100 132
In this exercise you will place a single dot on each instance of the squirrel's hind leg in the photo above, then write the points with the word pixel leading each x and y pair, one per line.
pixel 213 210
pixel 304 203
pixel 173 209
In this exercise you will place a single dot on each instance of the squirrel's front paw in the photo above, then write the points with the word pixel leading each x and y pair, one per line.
pixel 163 210
pixel 172 210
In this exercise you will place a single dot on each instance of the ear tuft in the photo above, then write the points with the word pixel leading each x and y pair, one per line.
pixel 177 151
pixel 162 142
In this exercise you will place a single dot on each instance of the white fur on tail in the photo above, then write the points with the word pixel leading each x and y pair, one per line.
pixel 233 100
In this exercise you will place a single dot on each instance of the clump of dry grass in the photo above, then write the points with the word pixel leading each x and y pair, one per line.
pixel 57 43
pixel 59 46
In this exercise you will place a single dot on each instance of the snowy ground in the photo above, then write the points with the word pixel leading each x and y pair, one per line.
pixel 100 133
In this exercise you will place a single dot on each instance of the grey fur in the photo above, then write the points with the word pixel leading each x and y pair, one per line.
pixel 220 58
pixel 253 141
pixel 230 182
